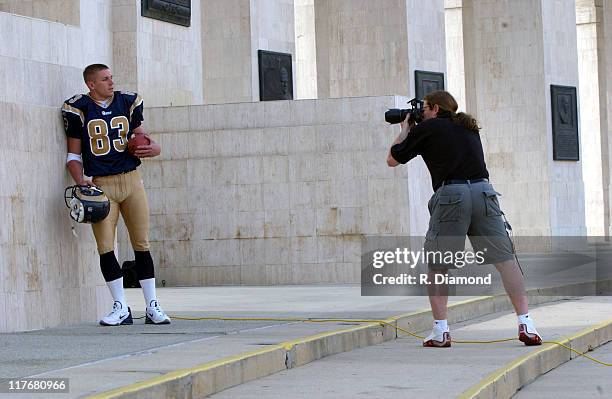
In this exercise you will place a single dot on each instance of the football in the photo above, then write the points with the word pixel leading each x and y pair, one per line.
pixel 137 140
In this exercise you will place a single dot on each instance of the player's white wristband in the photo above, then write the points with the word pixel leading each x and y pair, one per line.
pixel 73 157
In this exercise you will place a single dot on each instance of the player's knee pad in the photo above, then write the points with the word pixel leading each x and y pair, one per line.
pixel 144 265
pixel 110 266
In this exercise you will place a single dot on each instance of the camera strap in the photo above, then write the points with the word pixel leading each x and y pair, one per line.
pixel 510 235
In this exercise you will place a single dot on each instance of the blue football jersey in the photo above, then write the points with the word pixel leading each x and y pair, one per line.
pixel 104 131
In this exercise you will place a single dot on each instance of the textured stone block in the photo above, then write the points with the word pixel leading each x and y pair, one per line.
pixel 277 223
pixel 302 139
pixel 276 196
pixel 275 169
pixel 250 224
pixel 220 225
pixel 302 223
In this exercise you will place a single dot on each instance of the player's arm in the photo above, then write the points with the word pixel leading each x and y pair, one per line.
pixel 74 162
pixel 146 151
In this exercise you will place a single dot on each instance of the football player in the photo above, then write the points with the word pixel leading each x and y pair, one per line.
pixel 98 125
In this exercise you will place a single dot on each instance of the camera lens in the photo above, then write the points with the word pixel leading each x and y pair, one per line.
pixel 395 115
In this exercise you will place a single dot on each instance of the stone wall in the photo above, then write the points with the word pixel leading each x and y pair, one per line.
pixel 159 60
pixel 64 11
pixel 513 52
pixel 276 193
pixel 48 276
pixel 226 51
pixel 372 48
pixel 233 32
pixel 362 48
pixel 272 29
pixel 281 192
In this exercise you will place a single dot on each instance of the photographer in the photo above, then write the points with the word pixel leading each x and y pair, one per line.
pixel 464 203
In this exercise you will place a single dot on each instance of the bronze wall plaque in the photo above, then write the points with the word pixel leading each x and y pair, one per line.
pixel 275 76
pixel 426 82
pixel 564 123
pixel 174 11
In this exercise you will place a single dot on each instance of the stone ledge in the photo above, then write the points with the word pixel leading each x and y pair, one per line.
pixel 213 377
pixel 506 381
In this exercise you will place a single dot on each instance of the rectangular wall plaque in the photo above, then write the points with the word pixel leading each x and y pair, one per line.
pixel 564 123
pixel 426 82
pixel 275 76
pixel 174 11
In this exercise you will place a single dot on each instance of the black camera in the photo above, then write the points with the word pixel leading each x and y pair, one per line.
pixel 396 115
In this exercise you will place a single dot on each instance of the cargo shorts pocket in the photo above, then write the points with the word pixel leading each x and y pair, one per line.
pixel 431 204
pixel 492 203
pixel 449 208
pixel 431 241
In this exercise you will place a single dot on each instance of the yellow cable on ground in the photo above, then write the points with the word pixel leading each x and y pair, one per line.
pixel 381 322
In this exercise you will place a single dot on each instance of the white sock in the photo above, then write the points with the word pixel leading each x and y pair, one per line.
pixel 522 318
pixel 441 324
pixel 148 290
pixel 116 289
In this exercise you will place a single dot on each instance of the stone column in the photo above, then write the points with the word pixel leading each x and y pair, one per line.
pixel 48 277
pixel 371 48
pixel 514 51
pixel 232 33
pixel 591 66
pixel 606 102
pixel 159 60
pixel 453 21
pixel 305 50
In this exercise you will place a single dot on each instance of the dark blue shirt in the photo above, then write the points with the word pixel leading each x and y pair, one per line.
pixel 104 131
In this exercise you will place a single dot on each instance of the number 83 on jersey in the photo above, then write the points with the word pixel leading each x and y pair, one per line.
pixel 99 139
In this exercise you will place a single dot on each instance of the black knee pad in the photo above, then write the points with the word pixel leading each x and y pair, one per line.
pixel 144 265
pixel 110 267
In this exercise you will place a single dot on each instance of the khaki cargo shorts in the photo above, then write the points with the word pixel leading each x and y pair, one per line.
pixel 469 209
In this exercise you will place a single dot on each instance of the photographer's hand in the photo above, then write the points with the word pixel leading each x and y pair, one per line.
pixel 405 125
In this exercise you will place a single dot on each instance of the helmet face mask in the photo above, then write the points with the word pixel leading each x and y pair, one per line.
pixel 87 204
pixel 77 211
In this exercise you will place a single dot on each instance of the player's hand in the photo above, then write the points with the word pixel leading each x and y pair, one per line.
pixel 148 151
pixel 85 182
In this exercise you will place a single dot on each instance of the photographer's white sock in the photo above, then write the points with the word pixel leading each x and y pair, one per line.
pixel 441 325
pixel 524 318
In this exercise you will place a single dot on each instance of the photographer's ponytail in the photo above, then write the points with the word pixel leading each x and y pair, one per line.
pixel 465 120
pixel 447 104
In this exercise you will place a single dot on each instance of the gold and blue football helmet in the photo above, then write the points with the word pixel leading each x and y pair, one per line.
pixel 87 204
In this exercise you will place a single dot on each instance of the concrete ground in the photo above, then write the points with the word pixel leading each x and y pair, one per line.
pixel 35 352
pixel 404 369
pixel 580 378
pixel 97 359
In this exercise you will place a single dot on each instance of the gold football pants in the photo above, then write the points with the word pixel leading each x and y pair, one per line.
pixel 127 196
